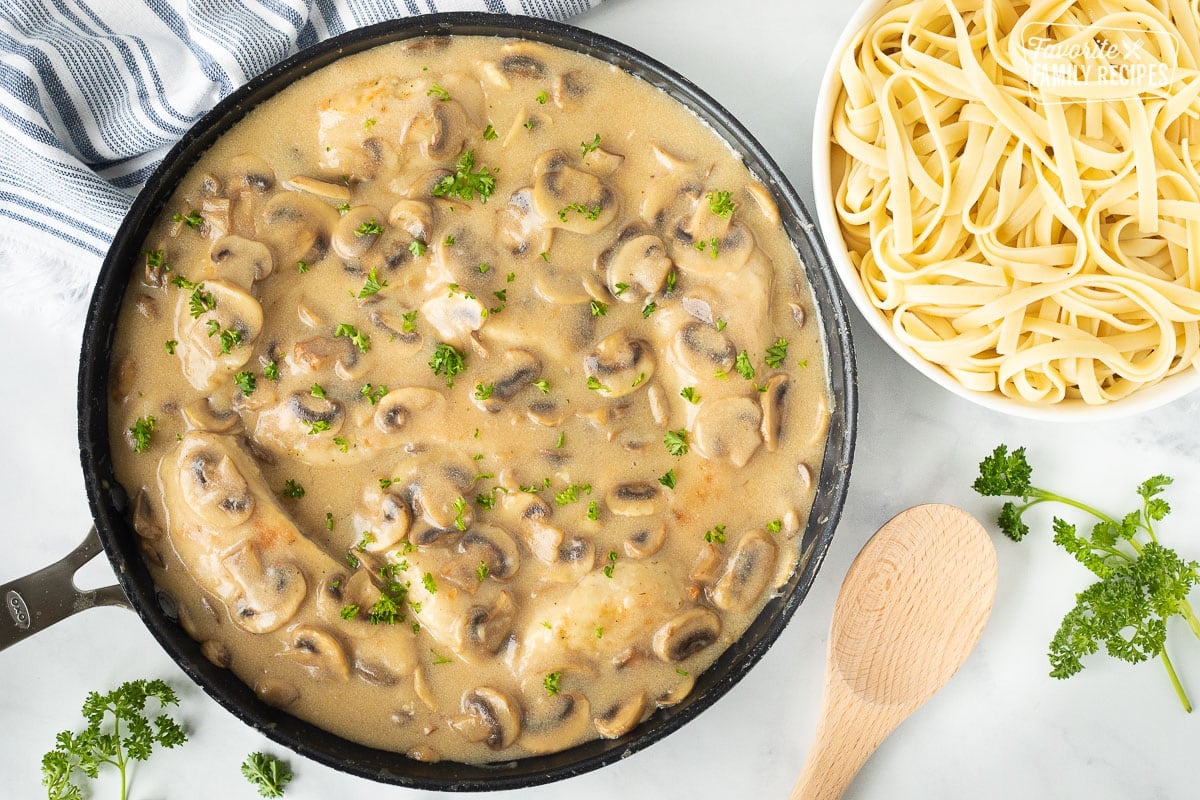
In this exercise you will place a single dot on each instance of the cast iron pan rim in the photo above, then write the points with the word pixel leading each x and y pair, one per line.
pixel 109 503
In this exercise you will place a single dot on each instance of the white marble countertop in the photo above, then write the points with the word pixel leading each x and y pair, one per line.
pixel 1002 728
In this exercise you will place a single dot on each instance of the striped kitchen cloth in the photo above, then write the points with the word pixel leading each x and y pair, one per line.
pixel 94 92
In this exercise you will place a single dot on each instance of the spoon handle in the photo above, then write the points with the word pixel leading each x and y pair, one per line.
pixel 850 729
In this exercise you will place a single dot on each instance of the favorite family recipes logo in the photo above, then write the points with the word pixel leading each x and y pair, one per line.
pixel 1111 62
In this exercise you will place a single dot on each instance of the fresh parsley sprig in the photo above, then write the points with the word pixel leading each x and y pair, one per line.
pixel 1141 584
pixel 130 736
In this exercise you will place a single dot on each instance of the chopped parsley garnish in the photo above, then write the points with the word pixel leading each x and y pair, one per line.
pixel 193 219
pixel 649 309
pixel 775 525
pixel 550 683
pixel 448 241
pixel 529 124
pixel 713 246
pixel 170 344
pixel 349 612
pixel 545 256
pixel 620 289
pixel 342 443
pixel 343 208
pixel 317 391
pixel 292 489
pixel 715 534
pixel 542 97
pixel 373 393
pixel 690 394
pixel 368 123
pixel 481 572
pixel 593 512
pixel 571 493
pixel 668 479
pixel 361 340
pixel 591 213
pixel 802 363
pixel 672 277
pixel 484 269
pixel 328 520
pixel 156 259
pixel 438 659
pixel 302 267
pixel 370 228
pixel 372 285
pixel 721 203
pixel 611 566
pixel 676 442
pixel 777 353
pixel 417 248
pixel 638 380
pixel 721 324
pixel 410 321
pixel 465 181
pixel 230 339
pixel 141 432
pixel 562 439
pixel 430 583
pixel 201 301
pixel 590 146
pixel 595 385
pixel 460 510
pixel 543 385
pixel 438 92
pixel 246 382
pixel 489 133
pixel 743 366
pixel 318 426
pixel 447 361
pixel 271 371
pixel 599 309
pixel 484 391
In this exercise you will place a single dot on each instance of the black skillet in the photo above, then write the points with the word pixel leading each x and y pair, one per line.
pixel 43 598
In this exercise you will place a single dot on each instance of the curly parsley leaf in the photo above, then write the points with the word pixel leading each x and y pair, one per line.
pixel 267 773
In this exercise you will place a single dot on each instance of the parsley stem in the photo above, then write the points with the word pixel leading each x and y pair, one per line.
pixel 1042 496
pixel 1183 698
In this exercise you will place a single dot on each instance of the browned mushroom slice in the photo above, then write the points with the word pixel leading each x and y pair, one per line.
pixel 335 192
pixel 214 488
pixel 268 595
pixel 439 127
pixel 275 692
pixel 620 718
pixel 772 401
pixel 437 496
pixel 242 261
pixel 636 267
pixel 525 61
pixel 676 694
pixel 386 515
pixel 319 353
pixel 693 631
pixel 399 408
pixel 357 231
pixel 728 429
pixel 702 351
pixel 635 499
pixel 483 628
pixel 305 427
pixel 619 364
pixel 201 416
pixel 339 591
pixel 556 722
pixel 646 539
pixel 709 248
pixel 570 198
pixel 747 573
pixel 490 717
pixel 601 162
pixel 249 171
pixel 569 88
pixel 414 217
pixel 520 228
pixel 216 327
pixel 485 553
pixel 518 370
pixel 318 651
pixel 297 227
pixel 385 657
pixel 454 315
pixel 145 521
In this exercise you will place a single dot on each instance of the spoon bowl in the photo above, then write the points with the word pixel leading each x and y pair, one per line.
pixel 912 607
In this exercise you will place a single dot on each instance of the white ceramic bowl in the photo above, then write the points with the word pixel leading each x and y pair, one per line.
pixel 1067 411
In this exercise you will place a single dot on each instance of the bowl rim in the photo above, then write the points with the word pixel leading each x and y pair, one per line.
pixel 110 504
pixel 1145 399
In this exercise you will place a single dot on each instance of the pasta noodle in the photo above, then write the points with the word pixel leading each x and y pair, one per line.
pixel 1018 186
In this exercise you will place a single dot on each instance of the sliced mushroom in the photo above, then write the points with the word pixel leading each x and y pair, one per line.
pixel 707 564
pixel 570 198
pixel 242 261
pixel 547 413
pixel 213 487
pixel 454 315
pixel 576 558
pixel 385 658
pixel 414 217
pixel 764 201
pixel 620 364
pixel 275 692
pixel 646 540
pixel 201 416
pixel 558 723
pixel 485 552
pixel 772 401
pixel 747 573
pixel 297 226
pixel 622 717
pixel 728 429
pixel 436 494
pixel 216 326
pixel 518 370
pixel 489 716
pixel 250 171
pixel 636 267
pixel 337 591
pixel 676 694
pixel 687 634
pixel 319 652
pixel 524 60
pixel 397 408
pixel 703 245
pixel 601 162
pixel 217 653
pixel 702 304
pixel 270 595
pixel 521 228
pixel 702 350
pixel 319 353
pixel 337 192
pixel 543 539
pixel 569 88
pixel 438 128
pixel 482 631
pixel 635 499
pixel 386 515
pixel 145 521
pixel 308 411
pixel 357 231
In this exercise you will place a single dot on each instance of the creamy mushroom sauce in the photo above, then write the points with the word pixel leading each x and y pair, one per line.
pixel 518 557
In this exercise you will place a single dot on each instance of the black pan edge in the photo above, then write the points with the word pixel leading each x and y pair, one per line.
pixel 109 503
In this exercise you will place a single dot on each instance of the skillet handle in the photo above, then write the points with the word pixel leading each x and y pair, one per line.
pixel 35 602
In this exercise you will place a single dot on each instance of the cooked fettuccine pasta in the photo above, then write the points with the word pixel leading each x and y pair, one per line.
pixel 1018 185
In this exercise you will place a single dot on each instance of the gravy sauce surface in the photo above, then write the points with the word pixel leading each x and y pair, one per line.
pixel 471 398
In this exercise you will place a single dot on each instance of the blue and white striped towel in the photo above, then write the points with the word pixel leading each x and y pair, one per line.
pixel 94 92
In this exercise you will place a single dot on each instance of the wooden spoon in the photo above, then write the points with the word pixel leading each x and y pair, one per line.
pixel 912 607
